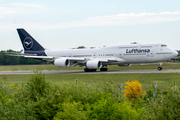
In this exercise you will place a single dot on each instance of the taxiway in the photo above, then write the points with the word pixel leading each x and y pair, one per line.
pixel 82 72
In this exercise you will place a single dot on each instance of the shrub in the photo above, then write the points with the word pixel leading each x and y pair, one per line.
pixel 103 109
pixel 71 111
pixel 37 86
pixel 167 106
pixel 133 90
pixel 108 108
pixel 13 109
pixel 150 93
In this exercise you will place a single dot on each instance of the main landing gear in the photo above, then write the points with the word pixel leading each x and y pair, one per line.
pixel 103 69
pixel 160 66
pixel 94 70
pixel 89 70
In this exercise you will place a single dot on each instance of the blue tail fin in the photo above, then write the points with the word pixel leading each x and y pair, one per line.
pixel 30 45
pixel 28 42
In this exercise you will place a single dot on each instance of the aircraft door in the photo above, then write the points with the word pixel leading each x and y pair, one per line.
pixel 152 54
pixel 120 55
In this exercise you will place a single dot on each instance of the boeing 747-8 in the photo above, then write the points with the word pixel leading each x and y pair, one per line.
pixel 98 58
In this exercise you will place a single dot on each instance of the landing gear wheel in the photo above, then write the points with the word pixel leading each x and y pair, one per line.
pixel 86 70
pixel 159 68
pixel 160 64
pixel 89 70
pixel 92 70
pixel 103 69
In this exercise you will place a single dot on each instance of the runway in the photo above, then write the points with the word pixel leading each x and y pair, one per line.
pixel 82 72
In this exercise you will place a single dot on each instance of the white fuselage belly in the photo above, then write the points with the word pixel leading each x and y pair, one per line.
pixel 135 53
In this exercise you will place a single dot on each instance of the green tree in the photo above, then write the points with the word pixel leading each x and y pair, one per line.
pixel 6 58
pixel 81 47
pixel 134 43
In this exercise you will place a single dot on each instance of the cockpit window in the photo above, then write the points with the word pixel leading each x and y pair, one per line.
pixel 163 45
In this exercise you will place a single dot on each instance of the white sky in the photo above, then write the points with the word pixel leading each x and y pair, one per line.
pixel 64 24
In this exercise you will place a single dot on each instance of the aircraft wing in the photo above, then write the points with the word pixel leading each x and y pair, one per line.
pixel 50 58
pixel 80 59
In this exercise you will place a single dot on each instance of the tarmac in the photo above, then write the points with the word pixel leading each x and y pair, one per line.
pixel 82 72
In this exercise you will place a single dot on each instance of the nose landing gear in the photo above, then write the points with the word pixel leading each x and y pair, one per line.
pixel 160 66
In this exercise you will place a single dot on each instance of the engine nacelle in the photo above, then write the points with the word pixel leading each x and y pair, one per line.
pixel 93 64
pixel 61 62
pixel 124 65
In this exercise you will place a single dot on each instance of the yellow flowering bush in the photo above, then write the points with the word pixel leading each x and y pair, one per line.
pixel 133 90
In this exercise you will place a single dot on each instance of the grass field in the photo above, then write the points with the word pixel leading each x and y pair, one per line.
pixel 164 80
pixel 51 67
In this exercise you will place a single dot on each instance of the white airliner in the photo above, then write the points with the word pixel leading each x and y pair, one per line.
pixel 99 58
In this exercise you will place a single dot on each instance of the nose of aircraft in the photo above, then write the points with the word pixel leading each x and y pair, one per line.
pixel 175 53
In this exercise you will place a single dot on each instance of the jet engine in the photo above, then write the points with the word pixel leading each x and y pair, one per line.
pixel 93 64
pixel 124 65
pixel 61 62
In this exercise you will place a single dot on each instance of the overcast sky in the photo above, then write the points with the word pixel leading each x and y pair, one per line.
pixel 64 24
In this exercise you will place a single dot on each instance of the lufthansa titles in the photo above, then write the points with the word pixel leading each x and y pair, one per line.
pixel 137 50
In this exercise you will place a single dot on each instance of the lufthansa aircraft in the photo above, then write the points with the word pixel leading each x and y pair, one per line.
pixel 99 58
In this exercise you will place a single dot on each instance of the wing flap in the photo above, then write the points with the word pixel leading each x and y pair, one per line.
pixel 111 59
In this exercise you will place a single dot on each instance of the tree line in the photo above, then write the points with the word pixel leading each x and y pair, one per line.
pixel 16 60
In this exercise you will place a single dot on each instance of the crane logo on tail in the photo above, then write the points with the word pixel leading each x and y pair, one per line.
pixel 28 43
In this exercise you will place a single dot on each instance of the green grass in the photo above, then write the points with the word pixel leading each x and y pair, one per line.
pixel 51 67
pixel 163 80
